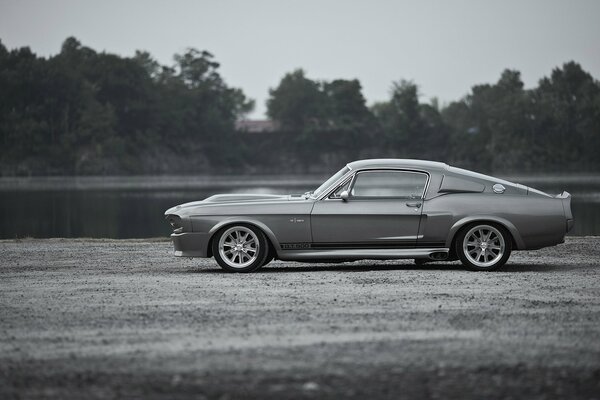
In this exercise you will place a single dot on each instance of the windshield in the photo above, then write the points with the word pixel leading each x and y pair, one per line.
pixel 330 181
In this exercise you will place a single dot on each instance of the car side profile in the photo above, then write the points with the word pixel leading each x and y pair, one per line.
pixel 377 209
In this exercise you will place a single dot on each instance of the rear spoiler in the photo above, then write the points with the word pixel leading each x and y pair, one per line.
pixel 565 197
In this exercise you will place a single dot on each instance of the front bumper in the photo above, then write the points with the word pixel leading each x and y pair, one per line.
pixel 190 244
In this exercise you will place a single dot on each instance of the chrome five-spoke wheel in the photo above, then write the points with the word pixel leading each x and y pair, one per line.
pixel 483 246
pixel 240 248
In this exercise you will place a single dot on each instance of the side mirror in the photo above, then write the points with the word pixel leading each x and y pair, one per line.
pixel 344 195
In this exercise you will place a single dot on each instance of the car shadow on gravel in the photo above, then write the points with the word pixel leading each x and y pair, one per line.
pixel 433 266
pixel 342 267
pixel 362 267
pixel 349 267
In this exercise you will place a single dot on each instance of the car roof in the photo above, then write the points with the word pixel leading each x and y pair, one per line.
pixel 397 163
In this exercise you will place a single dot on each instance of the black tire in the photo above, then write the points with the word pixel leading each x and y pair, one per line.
pixel 496 249
pixel 270 256
pixel 249 259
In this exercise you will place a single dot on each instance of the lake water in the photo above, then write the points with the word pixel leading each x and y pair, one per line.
pixel 133 207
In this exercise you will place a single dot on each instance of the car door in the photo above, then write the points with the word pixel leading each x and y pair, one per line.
pixel 382 210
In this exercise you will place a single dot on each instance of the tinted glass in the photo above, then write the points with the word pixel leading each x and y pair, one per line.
pixel 389 184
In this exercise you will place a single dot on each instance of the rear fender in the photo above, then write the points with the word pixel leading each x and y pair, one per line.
pixel 485 218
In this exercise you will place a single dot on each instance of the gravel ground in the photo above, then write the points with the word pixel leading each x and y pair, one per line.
pixel 125 319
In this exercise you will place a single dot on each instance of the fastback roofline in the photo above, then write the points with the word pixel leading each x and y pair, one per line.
pixel 397 163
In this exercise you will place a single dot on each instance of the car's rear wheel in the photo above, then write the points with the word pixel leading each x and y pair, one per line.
pixel 483 246
pixel 240 248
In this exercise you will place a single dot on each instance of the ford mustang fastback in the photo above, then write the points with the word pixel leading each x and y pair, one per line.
pixel 378 209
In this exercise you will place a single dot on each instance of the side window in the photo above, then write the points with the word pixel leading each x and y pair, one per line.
pixel 373 184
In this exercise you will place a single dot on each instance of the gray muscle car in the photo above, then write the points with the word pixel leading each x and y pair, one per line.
pixel 376 209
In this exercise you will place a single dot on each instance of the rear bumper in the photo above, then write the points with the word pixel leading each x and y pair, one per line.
pixel 190 244
pixel 570 223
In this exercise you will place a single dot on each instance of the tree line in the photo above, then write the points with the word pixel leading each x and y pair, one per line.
pixel 85 112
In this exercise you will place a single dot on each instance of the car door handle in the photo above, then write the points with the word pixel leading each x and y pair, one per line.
pixel 417 205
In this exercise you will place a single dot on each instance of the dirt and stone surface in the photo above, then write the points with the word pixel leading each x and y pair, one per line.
pixel 126 319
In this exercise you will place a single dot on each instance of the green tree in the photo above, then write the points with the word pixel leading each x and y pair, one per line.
pixel 81 111
pixel 566 111
pixel 411 129
pixel 86 112
pixel 349 120
pixel 296 102
pixel 491 126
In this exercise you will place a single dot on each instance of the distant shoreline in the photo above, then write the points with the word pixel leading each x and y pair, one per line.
pixel 207 181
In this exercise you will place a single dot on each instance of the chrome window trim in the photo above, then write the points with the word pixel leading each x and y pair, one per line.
pixel 336 184
pixel 350 179
pixel 344 179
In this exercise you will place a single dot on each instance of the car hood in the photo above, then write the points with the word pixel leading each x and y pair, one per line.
pixel 238 199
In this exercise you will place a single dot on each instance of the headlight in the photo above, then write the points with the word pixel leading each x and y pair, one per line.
pixel 175 222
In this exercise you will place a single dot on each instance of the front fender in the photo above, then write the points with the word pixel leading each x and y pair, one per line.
pixel 481 218
pixel 246 220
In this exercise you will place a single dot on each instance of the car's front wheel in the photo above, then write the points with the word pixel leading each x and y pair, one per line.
pixel 483 246
pixel 240 248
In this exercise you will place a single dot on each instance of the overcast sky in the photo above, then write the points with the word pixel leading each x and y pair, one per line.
pixel 443 46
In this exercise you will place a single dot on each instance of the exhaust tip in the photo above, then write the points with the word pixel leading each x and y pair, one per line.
pixel 439 255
